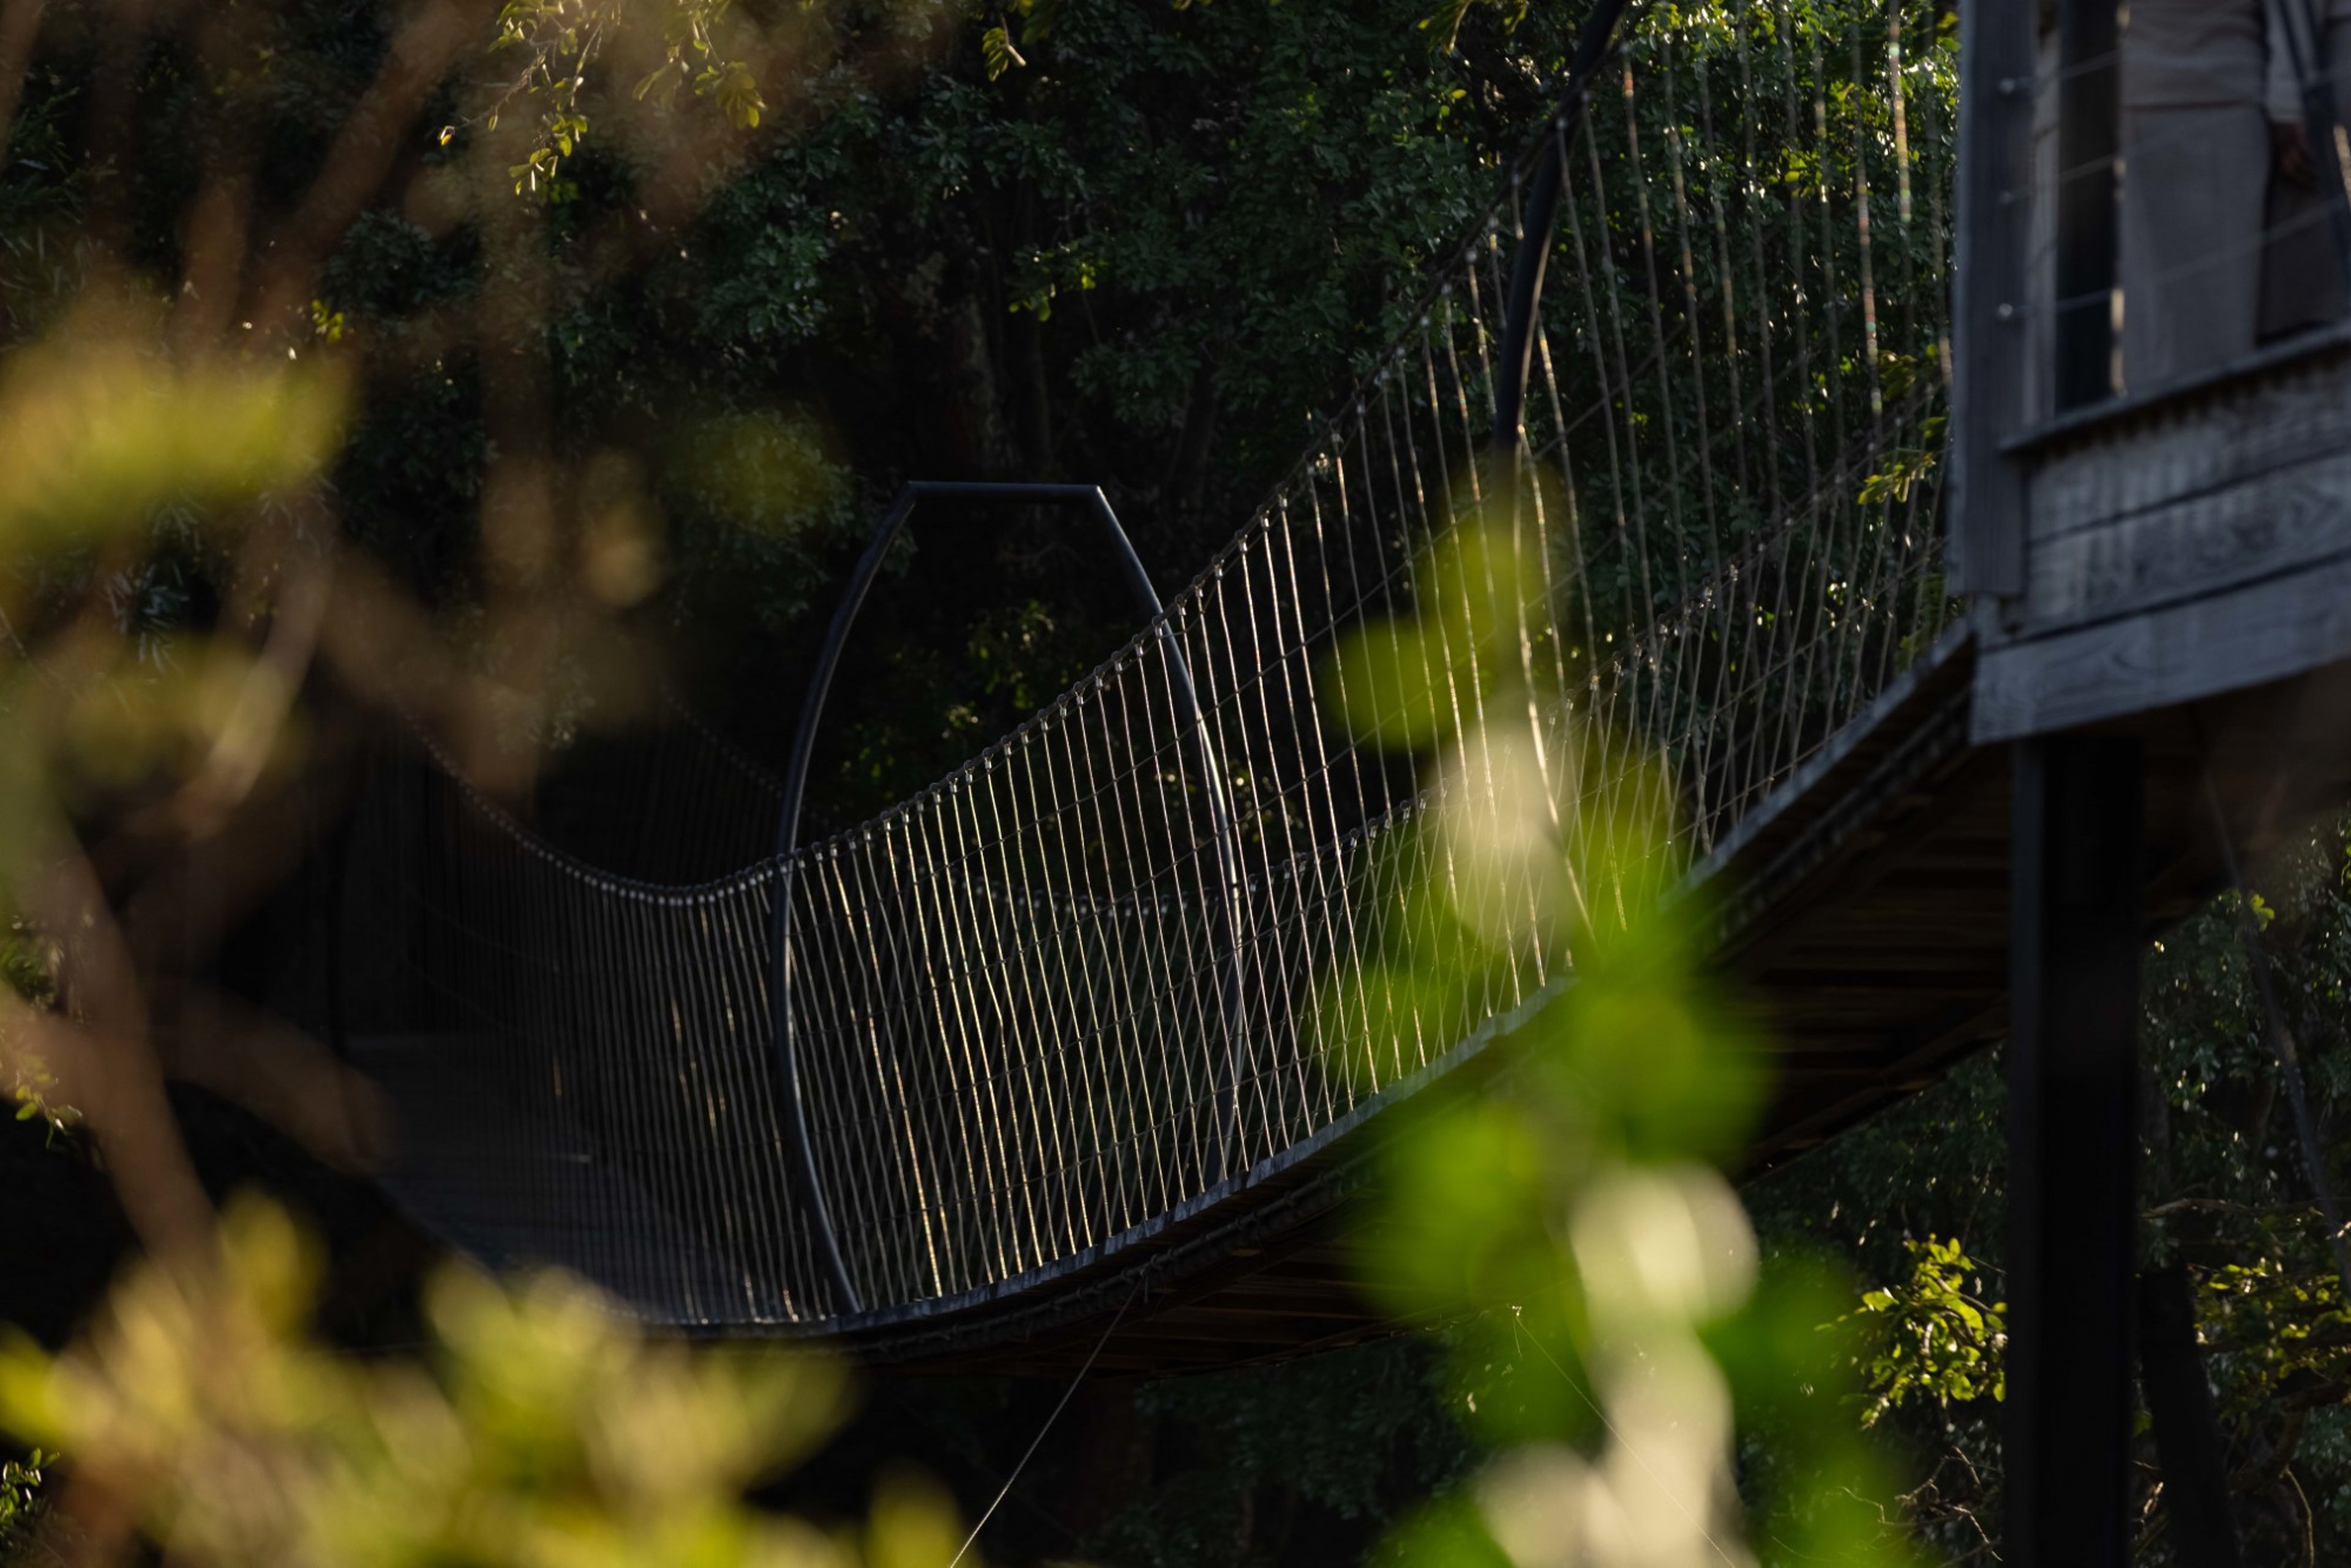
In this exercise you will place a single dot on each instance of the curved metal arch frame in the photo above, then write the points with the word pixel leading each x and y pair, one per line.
pixel 1538 219
pixel 1222 819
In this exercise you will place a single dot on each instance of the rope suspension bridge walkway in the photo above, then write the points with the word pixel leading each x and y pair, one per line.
pixel 1064 1020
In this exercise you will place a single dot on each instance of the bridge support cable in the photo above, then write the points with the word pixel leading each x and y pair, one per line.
pixel 1688 367
pixel 1042 1432
pixel 782 952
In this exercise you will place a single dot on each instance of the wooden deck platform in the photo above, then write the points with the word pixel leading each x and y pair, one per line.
pixel 2178 547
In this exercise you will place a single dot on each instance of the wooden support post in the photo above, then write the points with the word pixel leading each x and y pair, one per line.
pixel 2089 222
pixel 1989 374
pixel 2073 1149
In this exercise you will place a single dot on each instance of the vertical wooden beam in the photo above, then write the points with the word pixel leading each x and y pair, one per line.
pixel 2089 222
pixel 1989 372
pixel 2073 1149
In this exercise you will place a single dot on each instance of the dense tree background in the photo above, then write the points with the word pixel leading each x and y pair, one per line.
pixel 1138 257
pixel 1138 260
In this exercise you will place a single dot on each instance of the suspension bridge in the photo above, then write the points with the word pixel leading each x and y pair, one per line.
pixel 1650 512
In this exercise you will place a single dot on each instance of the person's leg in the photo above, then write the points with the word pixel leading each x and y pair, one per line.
pixel 2330 297
pixel 2194 183
pixel 2301 266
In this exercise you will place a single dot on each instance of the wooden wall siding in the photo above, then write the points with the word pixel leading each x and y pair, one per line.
pixel 2238 426
pixel 2224 642
pixel 2285 520
pixel 2179 546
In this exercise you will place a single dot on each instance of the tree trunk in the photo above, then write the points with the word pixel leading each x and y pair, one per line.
pixel 2187 1434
